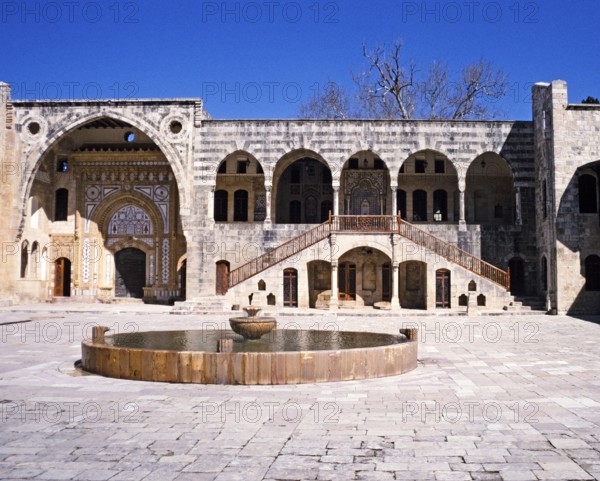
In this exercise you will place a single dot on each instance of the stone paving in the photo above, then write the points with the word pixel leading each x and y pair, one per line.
pixel 493 398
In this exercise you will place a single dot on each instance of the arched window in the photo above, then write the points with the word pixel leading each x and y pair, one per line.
pixel 588 195
pixel 220 207
pixel 35 260
pixel 419 205
pixel 24 259
pixel 544 274
pixel 61 204
pixel 592 273
pixel 240 206
pixel 440 205
pixel 295 212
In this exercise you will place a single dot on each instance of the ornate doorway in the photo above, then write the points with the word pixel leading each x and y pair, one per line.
pixel 62 277
pixel 130 270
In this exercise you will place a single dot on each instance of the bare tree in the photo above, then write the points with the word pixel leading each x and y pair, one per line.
pixel 387 88
pixel 330 102
pixel 391 89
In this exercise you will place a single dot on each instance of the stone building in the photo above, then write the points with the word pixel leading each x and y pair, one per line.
pixel 153 199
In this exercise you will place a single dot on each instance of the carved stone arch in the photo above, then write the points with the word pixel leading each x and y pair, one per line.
pixel 107 209
pixel 35 155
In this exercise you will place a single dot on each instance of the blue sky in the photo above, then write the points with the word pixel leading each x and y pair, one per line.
pixel 261 59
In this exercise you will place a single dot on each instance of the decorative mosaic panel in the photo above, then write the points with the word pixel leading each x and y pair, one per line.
pixel 160 195
pixel 85 276
pixel 165 261
pixel 130 220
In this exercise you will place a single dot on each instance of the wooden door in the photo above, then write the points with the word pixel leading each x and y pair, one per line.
pixel 347 281
pixel 290 288
pixel 62 278
pixel 222 278
pixel 442 288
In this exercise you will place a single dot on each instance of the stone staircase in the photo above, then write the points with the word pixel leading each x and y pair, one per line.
pixel 526 304
pixel 205 305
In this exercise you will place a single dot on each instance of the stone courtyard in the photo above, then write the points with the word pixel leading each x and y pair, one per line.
pixel 494 397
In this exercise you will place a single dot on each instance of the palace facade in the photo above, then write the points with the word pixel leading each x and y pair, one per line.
pixel 153 199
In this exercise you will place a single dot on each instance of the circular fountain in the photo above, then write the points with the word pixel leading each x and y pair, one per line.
pixel 256 353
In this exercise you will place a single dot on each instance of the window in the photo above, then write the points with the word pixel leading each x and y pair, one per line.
pixel 61 204
pixel 326 175
pixel 588 196
pixel 401 203
pixel 592 273
pixel 353 164
pixel 440 166
pixel 220 207
pixel 420 166
pixel 379 165
pixel 62 165
pixel 259 169
pixel 419 205
pixel 222 168
pixel 402 169
pixel 440 206
pixel 240 206
pixel 242 165
pixel 295 212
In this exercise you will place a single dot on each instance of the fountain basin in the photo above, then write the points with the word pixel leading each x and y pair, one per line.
pixel 282 357
pixel 252 327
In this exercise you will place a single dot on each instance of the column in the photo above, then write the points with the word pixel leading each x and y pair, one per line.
pixel 461 208
pixel 333 301
pixel 211 204
pixel 518 220
pixel 336 199
pixel 395 270
pixel 268 205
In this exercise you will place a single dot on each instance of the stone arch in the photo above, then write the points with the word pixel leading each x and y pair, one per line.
pixel 490 190
pixel 240 170
pixel 365 185
pixel 413 284
pixel 107 209
pixel 36 155
pixel 430 171
pixel 364 274
pixel 301 176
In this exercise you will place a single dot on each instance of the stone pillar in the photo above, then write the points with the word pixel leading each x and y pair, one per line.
pixel 518 220
pixel 268 205
pixel 461 210
pixel 333 301
pixel 211 204
pixel 336 200
pixel 395 284
pixel 395 200
pixel 199 281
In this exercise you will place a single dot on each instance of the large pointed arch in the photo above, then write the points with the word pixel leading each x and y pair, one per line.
pixel 38 152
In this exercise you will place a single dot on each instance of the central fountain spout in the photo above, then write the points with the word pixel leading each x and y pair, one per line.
pixel 252 327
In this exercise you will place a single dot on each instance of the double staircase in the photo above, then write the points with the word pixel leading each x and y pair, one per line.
pixel 366 224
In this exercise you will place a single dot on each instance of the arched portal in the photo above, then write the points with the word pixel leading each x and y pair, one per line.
pixel 130 270
pixel 413 285
pixel 124 189
pixel 490 191
pixel 365 186
pixel 365 276
pixel 303 189
pixel 427 181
